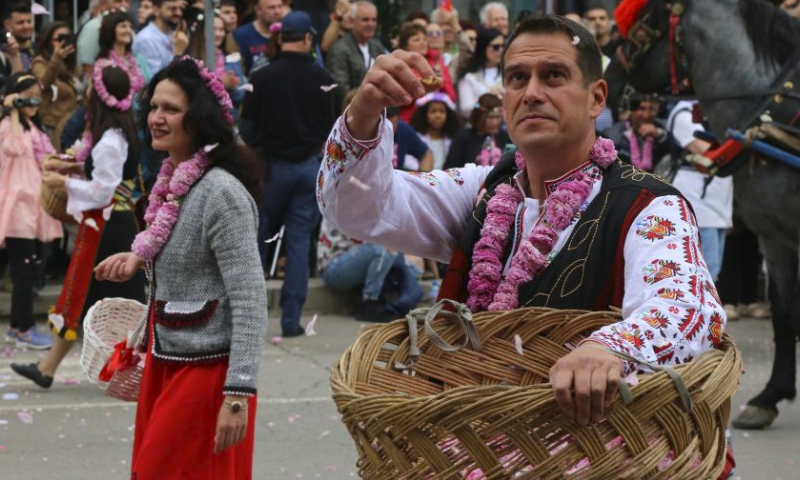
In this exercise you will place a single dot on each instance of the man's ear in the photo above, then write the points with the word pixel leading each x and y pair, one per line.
pixel 598 92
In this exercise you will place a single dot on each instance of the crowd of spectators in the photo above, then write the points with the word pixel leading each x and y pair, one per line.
pixel 290 73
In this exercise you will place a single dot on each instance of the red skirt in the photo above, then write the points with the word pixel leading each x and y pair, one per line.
pixel 176 419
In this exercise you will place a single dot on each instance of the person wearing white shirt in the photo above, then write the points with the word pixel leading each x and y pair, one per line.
pixel 712 202
pixel 483 73
pixel 626 238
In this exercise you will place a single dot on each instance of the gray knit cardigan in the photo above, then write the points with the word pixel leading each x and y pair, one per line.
pixel 210 298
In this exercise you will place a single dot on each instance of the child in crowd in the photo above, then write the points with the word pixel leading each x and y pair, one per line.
pixel 437 124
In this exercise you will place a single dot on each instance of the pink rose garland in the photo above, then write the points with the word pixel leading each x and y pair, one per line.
pixel 129 65
pixel 487 290
pixel 162 213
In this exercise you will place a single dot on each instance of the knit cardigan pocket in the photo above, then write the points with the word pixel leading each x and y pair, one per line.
pixel 185 313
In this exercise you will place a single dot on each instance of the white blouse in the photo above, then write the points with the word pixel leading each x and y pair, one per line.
pixel 475 84
pixel 108 155
pixel 671 311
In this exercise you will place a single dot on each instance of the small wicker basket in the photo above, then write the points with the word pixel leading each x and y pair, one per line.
pixel 107 323
pixel 54 203
pixel 420 409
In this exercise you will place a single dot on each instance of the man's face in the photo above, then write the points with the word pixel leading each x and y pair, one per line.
pixel 171 13
pixel 497 18
pixel 269 11
pixel 145 10
pixel 548 107
pixel 599 20
pixel 646 113
pixel 365 22
pixel 230 15
pixel 20 25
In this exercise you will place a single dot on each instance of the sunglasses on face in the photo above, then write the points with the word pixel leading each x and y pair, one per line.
pixel 496 47
pixel 435 34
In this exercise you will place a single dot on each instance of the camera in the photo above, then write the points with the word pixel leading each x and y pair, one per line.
pixel 20 102
pixel 66 39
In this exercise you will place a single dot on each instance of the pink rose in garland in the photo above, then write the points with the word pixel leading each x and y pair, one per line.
pixel 487 289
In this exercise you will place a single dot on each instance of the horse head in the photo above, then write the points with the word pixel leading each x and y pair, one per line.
pixel 643 60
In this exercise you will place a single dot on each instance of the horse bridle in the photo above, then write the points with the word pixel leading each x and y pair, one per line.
pixel 646 32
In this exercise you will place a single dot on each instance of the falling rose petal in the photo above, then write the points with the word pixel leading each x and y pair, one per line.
pixel 7 352
pixel 328 88
pixel 270 425
pixel 247 87
pixel 10 396
pixel 326 432
pixel 359 184
pixel 25 417
pixel 210 148
pixel 291 418
pixel 518 344
pixel 277 340
pixel 234 57
pixel 276 237
pixel 71 381
pixel 742 408
pixel 310 327
pixel 576 40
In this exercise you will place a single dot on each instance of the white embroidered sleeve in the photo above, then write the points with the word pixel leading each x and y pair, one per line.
pixel 108 156
pixel 671 309
pixel 417 213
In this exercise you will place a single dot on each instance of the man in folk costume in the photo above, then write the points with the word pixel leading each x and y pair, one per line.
pixel 562 223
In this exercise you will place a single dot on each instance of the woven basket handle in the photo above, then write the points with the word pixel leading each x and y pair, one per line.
pixel 462 314
pixel 680 385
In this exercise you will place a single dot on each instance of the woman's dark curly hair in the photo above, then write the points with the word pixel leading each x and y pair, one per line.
pixel 206 125
pixel 420 120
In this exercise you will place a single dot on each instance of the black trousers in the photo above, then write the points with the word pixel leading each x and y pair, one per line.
pixel 741 265
pixel 25 258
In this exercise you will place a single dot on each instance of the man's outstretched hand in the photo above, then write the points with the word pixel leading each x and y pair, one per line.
pixel 585 381
pixel 394 80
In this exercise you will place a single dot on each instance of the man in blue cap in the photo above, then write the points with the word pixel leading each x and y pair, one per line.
pixel 287 117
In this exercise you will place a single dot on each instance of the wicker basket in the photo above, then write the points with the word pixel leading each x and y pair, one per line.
pixel 54 203
pixel 464 414
pixel 107 323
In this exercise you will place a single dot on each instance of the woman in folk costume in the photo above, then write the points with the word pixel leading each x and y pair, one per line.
pixel 98 185
pixel 116 40
pixel 208 298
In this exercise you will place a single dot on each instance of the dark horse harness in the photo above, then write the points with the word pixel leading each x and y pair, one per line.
pixel 780 104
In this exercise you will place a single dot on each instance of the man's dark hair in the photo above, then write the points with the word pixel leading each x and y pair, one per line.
pixel 596 6
pixel 17 7
pixel 228 3
pixel 589 58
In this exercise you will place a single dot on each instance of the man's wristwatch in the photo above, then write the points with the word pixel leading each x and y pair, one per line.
pixel 235 406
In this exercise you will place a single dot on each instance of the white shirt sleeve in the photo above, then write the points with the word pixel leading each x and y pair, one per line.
pixel 671 309
pixel 469 91
pixel 108 156
pixel 413 212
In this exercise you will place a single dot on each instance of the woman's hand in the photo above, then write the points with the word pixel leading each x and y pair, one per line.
pixel 62 51
pixel 230 80
pixel 231 427
pixel 53 179
pixel 54 164
pixel 8 102
pixel 120 267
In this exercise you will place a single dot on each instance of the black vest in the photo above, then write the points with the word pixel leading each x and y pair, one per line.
pixel 588 272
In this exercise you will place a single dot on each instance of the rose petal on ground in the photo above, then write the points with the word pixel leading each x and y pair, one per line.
pixel 310 327
pixel 277 340
pixel 10 396
pixel 25 417
pixel 518 344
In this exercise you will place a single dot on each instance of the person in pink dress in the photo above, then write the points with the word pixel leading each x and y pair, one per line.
pixel 24 225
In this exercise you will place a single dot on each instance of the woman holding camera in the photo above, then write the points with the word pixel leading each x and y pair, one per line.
pixel 56 69
pixel 24 226
pixel 101 197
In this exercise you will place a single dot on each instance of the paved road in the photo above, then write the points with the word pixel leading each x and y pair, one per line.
pixel 78 434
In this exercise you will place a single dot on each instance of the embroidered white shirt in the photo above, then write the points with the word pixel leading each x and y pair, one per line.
pixel 671 312
pixel 108 156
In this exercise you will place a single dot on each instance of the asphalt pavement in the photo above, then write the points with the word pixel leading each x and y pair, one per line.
pixel 73 432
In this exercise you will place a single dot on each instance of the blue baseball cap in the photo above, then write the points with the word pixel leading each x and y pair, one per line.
pixel 296 24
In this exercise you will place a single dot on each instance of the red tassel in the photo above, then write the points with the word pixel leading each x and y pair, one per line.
pixel 626 13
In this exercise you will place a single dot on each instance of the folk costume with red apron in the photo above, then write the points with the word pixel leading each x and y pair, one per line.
pixel 103 202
